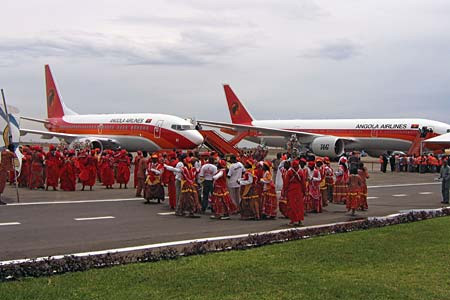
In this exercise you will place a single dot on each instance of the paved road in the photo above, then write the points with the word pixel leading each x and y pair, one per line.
pixel 52 223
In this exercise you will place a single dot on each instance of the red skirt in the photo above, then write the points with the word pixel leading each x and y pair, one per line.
pixel 340 193
pixel 269 200
pixel 363 198
pixel 222 203
pixel 248 197
pixel 353 201
pixel 189 199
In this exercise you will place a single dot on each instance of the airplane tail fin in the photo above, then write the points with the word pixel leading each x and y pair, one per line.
pixel 238 112
pixel 55 106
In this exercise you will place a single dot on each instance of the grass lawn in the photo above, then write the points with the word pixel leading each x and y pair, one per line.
pixel 410 261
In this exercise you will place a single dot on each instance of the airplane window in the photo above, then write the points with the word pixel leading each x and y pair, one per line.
pixel 182 127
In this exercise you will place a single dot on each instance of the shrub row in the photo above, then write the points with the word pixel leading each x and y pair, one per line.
pixel 49 266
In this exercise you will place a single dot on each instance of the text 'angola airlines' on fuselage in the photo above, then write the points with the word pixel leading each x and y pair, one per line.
pixel 133 132
pixel 330 137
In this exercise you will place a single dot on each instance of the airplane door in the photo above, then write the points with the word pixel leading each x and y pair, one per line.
pixel 374 133
pixel 100 129
pixel 157 130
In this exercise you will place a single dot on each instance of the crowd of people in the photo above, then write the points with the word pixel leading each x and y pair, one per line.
pixel 61 168
pixel 196 182
pixel 248 187
pixel 430 163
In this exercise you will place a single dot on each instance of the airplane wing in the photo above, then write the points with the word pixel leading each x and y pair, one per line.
pixel 440 139
pixel 261 130
pixel 49 135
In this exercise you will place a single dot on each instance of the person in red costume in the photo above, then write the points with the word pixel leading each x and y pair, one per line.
pixel 106 169
pixel 6 166
pixel 53 161
pixel 313 191
pixel 294 189
pixel 249 198
pixel 37 169
pixel 189 197
pixel 269 196
pixel 88 174
pixel 153 185
pixel 340 194
pixel 24 177
pixel 354 190
pixel 136 160
pixel 67 174
pixel 222 204
pixel 123 168
pixel 364 174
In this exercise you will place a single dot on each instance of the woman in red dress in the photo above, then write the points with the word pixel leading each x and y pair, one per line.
pixel 294 189
pixel 123 168
pixel 106 170
pixel 37 169
pixel 364 175
pixel 222 204
pixel 68 177
pixel 269 196
pixel 340 194
pixel 354 190
pixel 88 174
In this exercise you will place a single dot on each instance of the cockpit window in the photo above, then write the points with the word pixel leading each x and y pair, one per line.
pixel 448 130
pixel 182 127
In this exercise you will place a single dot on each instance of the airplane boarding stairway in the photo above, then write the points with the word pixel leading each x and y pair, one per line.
pixel 216 142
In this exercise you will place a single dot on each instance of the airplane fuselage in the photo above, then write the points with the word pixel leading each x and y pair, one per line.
pixel 147 132
pixel 364 134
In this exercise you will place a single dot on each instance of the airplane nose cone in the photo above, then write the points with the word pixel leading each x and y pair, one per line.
pixel 196 138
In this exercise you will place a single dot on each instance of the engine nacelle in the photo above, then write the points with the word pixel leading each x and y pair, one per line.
pixel 327 146
pixel 95 142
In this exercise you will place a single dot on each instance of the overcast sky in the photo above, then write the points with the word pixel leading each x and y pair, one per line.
pixel 284 59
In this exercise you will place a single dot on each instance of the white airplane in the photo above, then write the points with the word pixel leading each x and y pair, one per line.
pixel 329 137
pixel 133 132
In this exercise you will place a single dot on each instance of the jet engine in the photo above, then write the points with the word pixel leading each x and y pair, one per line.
pixel 327 146
pixel 95 142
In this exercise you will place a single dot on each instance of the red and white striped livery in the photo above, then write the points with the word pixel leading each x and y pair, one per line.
pixel 141 131
pixel 330 137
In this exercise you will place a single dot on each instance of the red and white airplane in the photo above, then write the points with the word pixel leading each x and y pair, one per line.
pixel 329 137
pixel 133 132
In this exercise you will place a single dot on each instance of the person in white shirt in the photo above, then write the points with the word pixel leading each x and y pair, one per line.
pixel 207 172
pixel 234 174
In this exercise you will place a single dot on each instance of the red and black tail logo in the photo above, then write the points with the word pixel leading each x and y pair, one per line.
pixel 238 113
pixel 50 97
pixel 54 105
pixel 234 109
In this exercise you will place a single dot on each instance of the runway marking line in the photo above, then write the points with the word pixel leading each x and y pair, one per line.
pixel 401 185
pixel 166 213
pixel 9 224
pixel 94 218
pixel 399 195
pixel 426 193
pixel 368 198
pixel 74 202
